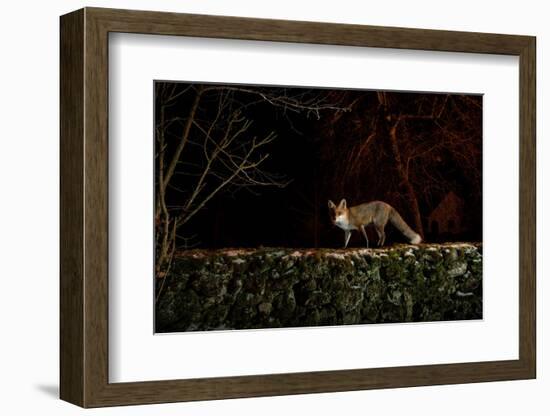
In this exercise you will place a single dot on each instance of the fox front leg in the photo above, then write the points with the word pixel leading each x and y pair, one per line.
pixel 365 234
pixel 347 237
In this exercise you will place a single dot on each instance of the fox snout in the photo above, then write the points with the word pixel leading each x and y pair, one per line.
pixel 340 221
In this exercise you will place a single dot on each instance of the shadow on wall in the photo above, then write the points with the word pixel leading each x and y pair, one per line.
pixel 51 390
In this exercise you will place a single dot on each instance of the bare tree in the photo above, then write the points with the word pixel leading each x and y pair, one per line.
pixel 402 142
pixel 231 152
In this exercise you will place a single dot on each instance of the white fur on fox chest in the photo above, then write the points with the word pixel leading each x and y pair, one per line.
pixel 342 221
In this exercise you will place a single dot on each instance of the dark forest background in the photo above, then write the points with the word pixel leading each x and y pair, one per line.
pixel 249 166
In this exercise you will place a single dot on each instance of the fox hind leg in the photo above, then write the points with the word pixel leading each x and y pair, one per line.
pixel 365 234
pixel 381 235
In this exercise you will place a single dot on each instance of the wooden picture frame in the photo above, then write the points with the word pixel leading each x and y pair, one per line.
pixel 84 207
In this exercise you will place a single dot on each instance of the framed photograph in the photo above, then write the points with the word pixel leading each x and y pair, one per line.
pixel 255 207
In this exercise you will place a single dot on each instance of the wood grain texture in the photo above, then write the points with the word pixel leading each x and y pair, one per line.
pixel 96 217
pixel 71 158
pixel 84 207
pixel 162 23
pixel 527 208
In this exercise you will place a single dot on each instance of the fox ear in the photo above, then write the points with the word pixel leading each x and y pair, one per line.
pixel 331 204
pixel 343 204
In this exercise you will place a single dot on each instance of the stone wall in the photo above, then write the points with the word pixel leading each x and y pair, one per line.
pixel 273 287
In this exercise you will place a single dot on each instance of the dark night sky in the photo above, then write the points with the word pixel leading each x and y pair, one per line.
pixel 315 154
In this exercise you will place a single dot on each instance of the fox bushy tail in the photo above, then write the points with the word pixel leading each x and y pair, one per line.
pixel 399 223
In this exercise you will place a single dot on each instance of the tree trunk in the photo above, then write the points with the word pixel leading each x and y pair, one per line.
pixel 166 225
pixel 410 194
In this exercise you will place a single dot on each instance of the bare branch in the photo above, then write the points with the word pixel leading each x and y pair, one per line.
pixel 185 136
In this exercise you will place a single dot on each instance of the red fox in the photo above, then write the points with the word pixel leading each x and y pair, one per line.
pixel 377 212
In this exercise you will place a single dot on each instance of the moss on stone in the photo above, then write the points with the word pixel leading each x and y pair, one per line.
pixel 279 287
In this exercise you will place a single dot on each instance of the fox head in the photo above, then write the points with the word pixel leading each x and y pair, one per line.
pixel 339 213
